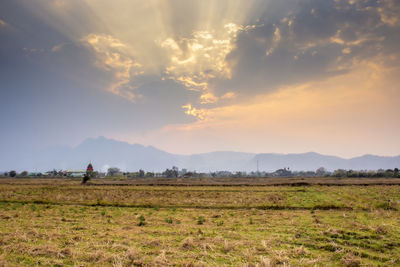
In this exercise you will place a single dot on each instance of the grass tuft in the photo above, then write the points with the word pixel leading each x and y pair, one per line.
pixel 200 220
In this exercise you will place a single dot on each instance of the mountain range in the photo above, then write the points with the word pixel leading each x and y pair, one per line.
pixel 105 153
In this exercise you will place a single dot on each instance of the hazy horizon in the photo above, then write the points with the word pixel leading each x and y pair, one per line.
pixel 234 151
pixel 104 153
pixel 190 76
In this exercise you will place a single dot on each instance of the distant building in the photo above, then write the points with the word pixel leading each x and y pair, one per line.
pixel 74 173
pixel 35 174
pixel 223 174
pixel 101 175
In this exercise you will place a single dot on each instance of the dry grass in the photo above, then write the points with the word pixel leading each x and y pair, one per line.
pixel 206 197
pixel 38 228
pixel 188 243
pixel 351 261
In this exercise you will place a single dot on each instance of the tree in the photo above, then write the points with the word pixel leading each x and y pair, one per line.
pixel 112 171
pixel 321 171
pixel 396 173
pixel 24 174
pixel 13 173
pixel 141 173
pixel 339 173
pixel 54 172
pixel 173 173
pixel 238 174
pixel 285 172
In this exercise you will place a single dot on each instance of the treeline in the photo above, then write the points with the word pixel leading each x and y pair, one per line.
pixel 389 173
pixel 175 172
pixel 321 172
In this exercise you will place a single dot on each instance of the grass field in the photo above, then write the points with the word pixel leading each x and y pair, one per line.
pixel 61 223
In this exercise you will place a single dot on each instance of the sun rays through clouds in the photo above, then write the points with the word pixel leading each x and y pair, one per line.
pixel 237 71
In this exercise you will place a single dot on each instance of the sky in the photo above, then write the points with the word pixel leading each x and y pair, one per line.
pixel 193 76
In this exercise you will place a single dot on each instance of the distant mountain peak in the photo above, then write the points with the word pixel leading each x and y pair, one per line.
pixel 103 152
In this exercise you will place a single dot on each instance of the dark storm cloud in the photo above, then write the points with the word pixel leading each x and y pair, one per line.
pixel 300 41
pixel 292 41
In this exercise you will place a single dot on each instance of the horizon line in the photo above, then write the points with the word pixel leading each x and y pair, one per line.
pixel 230 151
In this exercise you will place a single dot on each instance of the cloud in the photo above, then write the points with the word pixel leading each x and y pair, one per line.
pixel 246 47
pixel 389 11
pixel 284 43
pixel 57 48
pixel 228 95
pixel 223 52
pixel 31 51
pixel 112 56
pixel 3 23
pixel 198 113
pixel 208 98
pixel 196 59
pixel 346 115
pixel 288 43
pixel 308 41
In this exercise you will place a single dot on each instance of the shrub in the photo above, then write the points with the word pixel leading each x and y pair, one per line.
pixel 200 220
pixel 142 221
pixel 386 206
pixel 188 243
pixel 85 178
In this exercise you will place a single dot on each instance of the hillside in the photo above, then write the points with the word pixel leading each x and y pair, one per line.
pixel 104 153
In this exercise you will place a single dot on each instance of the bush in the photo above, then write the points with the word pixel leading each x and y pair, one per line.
pixel 142 221
pixel 200 220
pixel 85 178
pixel 386 206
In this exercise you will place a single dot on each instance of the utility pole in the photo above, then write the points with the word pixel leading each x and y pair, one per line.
pixel 258 171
